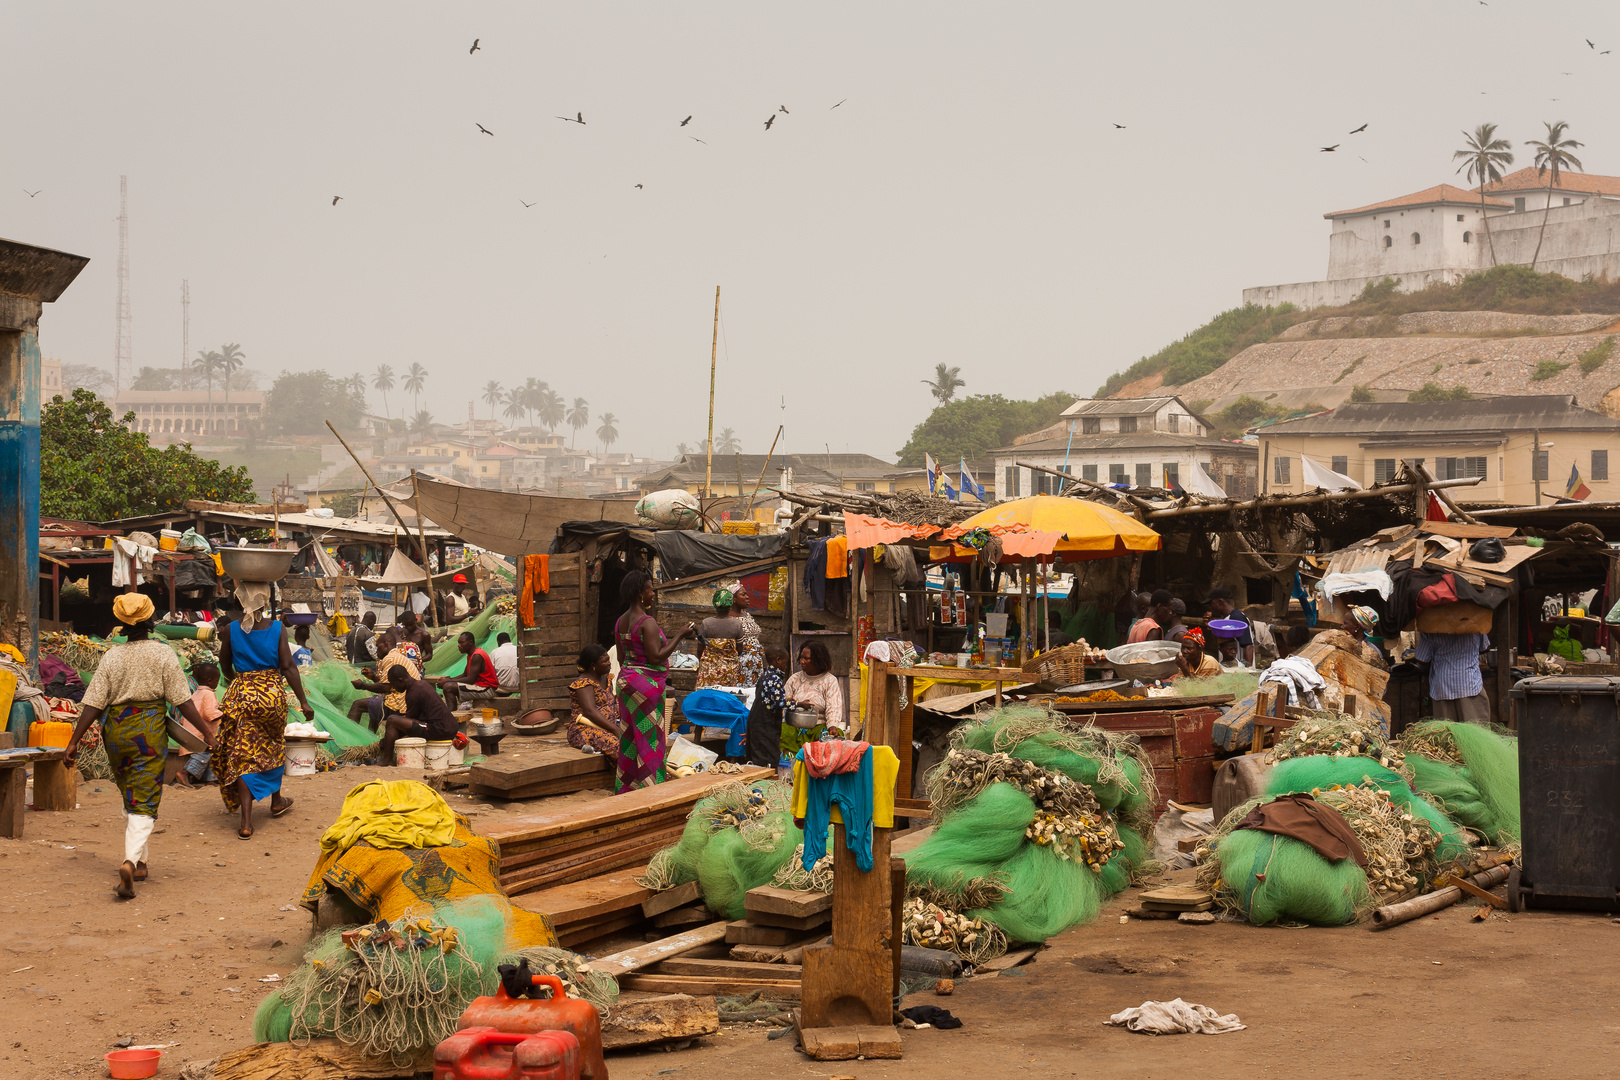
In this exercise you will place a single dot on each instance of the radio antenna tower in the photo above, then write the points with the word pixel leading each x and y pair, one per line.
pixel 185 325
pixel 122 351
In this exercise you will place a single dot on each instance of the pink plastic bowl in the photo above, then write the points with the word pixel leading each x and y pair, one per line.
pixel 133 1064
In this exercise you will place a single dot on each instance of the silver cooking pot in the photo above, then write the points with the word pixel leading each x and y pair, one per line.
pixel 804 719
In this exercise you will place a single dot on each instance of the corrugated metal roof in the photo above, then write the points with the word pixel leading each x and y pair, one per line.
pixel 1120 406
pixel 1144 440
pixel 1548 412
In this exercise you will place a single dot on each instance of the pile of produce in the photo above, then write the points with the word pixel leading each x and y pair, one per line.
pixel 1100 695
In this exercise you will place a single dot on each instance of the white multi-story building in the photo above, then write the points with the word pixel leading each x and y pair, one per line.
pixel 190 412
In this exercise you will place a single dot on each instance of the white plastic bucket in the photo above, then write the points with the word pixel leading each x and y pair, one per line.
pixel 410 753
pixel 300 757
pixel 436 756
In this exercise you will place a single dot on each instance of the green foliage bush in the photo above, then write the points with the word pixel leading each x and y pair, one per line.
pixel 300 403
pixel 1546 370
pixel 1361 393
pixel 1433 391
pixel 970 426
pixel 1597 355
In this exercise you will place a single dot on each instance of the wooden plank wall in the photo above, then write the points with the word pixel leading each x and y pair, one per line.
pixel 547 653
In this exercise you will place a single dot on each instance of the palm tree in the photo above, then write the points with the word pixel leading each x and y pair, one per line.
pixel 1553 154
pixel 578 417
pixel 205 365
pixel 681 449
pixel 1483 158
pixel 355 384
pixel 492 397
pixel 416 382
pixel 422 423
pixel 552 409
pixel 944 383
pixel 231 358
pixel 609 431
pixel 728 443
pixel 514 405
pixel 533 389
pixel 384 381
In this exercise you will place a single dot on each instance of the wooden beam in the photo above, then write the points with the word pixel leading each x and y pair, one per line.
pixel 777 990
pixel 654 951
pixel 753 564
pixel 728 969
pixel 645 1021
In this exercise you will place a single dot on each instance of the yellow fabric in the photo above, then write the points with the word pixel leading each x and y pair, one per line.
pixel 838 557
pixel 391 813
pixel 8 691
pixel 11 651
pixel 885 771
pixel 393 883
pixel 337 625
pixel 132 607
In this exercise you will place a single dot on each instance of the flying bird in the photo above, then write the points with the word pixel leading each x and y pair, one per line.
pixel 694 138
pixel 528 203
pixel 336 199
pixel 1359 130
pixel 688 120
pixel 482 128
pixel 579 119
pixel 1120 127
pixel 783 109
pixel 31 194
pixel 638 187
pixel 836 106
pixel 1330 149
pixel 1605 52
pixel 1589 44
pixel 769 122
pixel 474 48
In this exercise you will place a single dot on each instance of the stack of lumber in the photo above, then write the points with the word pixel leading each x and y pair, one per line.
pixel 1170 901
pixel 571 844
pixel 558 770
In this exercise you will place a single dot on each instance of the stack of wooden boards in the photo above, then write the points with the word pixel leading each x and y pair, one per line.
pixel 586 856
pixel 1173 901
pixel 554 770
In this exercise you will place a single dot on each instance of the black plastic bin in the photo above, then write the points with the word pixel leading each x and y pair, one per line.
pixel 1569 793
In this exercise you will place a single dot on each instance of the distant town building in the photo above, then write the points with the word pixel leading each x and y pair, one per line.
pixel 1511 442
pixel 738 474
pixel 1145 442
pixel 1442 234
pixel 189 412
pixel 50 378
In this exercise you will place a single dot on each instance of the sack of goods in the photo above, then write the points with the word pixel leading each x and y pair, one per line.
pixel 672 508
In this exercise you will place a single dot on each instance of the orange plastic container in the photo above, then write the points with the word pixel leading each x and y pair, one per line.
pixel 49 733
pixel 132 1064
pixel 482 1053
pixel 527 1016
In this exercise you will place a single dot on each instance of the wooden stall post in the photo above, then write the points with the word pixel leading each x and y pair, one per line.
pixel 1502 642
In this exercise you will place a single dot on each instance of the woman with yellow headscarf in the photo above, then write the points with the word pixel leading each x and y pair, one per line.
pixel 131 692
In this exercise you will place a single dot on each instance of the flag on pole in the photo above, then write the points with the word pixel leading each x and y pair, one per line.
pixel 970 486
pixel 933 472
pixel 1575 489
pixel 937 484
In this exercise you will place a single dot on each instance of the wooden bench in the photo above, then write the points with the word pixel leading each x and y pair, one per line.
pixel 56 785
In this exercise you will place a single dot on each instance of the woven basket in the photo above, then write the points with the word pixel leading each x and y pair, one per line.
pixel 1062 666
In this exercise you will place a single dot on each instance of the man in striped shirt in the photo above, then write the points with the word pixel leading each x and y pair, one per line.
pixel 1456 686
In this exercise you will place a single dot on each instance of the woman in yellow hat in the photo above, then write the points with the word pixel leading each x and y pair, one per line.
pixel 133 687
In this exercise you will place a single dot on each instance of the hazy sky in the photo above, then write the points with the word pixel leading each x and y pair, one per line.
pixel 969 203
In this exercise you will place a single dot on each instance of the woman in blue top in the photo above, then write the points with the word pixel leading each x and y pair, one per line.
pixel 252 741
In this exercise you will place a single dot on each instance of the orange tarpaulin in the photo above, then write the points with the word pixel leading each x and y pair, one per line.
pixel 1070 530
pixel 869 532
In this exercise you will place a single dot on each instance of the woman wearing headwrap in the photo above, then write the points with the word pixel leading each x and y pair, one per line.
pixel 1360 627
pixel 253 719
pixel 720 635
pixel 131 692
pixel 1193 660
pixel 750 653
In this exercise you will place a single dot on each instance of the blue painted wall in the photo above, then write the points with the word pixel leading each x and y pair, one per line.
pixel 19 489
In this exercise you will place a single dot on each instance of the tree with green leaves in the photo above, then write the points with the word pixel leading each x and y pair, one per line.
pixel 300 403
pixel 231 359
pixel 945 383
pixel 355 384
pixel 207 365
pixel 492 397
pixel 514 405
pixel 1483 158
pixel 94 468
pixel 415 383
pixel 1433 391
pixel 151 378
pixel 383 381
pixel 578 416
pixel 1553 156
pixel 682 449
pixel 534 391
pixel 608 432
pixel 968 427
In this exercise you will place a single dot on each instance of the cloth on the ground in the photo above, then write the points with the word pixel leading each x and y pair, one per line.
pixel 137 738
pixel 824 759
pixel 390 883
pixel 1475 709
pixel 424 705
pixel 880 767
pixel 837 557
pixel 139 671
pixel 391 814
pixel 536 580
pixel 1317 824
pixel 505 659
pixel 252 740
pixel 1454 664
pixel 1299 675
pixel 1175 1017
pixel 931 1015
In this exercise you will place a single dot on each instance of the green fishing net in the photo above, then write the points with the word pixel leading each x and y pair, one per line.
pixel 1469 771
pixel 1272 878
pixel 485 627
pixel 737 838
pixel 1311 773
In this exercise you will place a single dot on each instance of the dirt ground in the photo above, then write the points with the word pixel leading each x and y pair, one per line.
pixel 1516 996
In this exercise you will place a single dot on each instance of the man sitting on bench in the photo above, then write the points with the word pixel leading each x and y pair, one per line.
pixel 478 682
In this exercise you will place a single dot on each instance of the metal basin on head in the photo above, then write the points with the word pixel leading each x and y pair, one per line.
pixel 256 564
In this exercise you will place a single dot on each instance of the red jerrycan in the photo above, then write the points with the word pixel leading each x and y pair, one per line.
pixel 486 1054
pixel 528 1015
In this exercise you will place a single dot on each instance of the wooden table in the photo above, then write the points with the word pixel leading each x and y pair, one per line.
pixel 56 786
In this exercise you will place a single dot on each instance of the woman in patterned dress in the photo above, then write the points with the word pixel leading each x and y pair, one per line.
pixel 643 673
pixel 131 692
pixel 595 724
pixel 253 720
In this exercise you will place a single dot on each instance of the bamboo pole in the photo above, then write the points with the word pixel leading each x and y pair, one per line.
pixel 1445 499
pixel 1416 908
pixel 714 345
pixel 372 481
pixel 748 511
pixel 421 534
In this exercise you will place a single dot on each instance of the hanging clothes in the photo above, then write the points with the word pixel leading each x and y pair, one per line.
pixel 815 575
pixel 536 580
pixel 837 557
pixel 861 800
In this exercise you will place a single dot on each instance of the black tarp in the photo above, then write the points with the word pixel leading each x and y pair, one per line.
pixel 686 554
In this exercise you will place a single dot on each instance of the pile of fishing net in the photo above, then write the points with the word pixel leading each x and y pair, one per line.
pixel 930 926
pixel 1268 878
pixel 1016 844
pixel 485 627
pixel 328 684
pixel 1469 771
pixel 736 838
pixel 1336 734
pixel 394 989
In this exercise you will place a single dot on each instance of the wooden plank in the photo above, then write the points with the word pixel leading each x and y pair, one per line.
pixel 792 902
pixel 670 899
pixel 549 764
pixel 726 969
pixel 773 954
pixel 581 900
pixel 851 979
pixel 567 785
pixel 654 951
pixel 578 935
pixel 742 932
pixel 668 1017
pixel 695 984
pixel 617 845
pixel 595 868
pixel 682 916
pixel 13 782
pixel 629 806
pixel 800 923
pixel 56 786
pixel 318 1059
pixel 540 850
pixel 1007 960
pixel 850 1042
